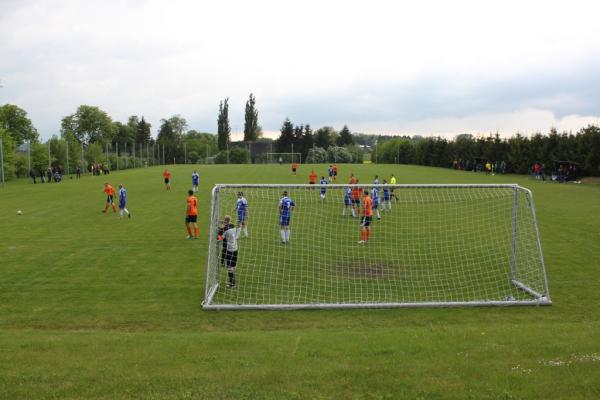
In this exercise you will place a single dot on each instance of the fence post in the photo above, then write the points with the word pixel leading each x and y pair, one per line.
pixel 68 168
pixel 2 162
pixel 29 156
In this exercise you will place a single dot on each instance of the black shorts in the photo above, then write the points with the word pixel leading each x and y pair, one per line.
pixel 109 199
pixel 230 258
pixel 191 218
pixel 311 183
pixel 355 201
pixel 293 169
pixel 166 181
pixel 365 221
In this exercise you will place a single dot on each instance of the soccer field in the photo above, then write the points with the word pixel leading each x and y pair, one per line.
pixel 96 307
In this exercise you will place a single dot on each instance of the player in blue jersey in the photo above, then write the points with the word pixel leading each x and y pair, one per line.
pixel 348 202
pixel 386 196
pixel 195 181
pixel 323 182
pixel 286 205
pixel 330 173
pixel 376 180
pixel 123 202
pixel 241 206
pixel 375 197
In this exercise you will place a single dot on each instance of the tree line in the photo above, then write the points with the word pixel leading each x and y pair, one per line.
pixel 518 152
pixel 92 136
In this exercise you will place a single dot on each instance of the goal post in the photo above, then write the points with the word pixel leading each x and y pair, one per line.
pixel 433 246
pixel 284 158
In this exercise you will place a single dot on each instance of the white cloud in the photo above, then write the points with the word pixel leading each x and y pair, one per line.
pixel 304 59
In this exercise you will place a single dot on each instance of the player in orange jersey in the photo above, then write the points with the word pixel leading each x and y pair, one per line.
pixel 312 178
pixel 294 168
pixel 110 192
pixel 366 217
pixel 335 172
pixel 353 179
pixel 167 176
pixel 191 216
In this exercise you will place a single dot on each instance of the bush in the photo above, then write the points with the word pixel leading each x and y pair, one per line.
pixel 356 153
pixel 339 154
pixel 221 157
pixel 316 155
pixel 237 155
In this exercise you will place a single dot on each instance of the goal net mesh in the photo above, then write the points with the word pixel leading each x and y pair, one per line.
pixel 435 245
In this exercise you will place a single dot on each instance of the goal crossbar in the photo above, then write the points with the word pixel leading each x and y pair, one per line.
pixel 263 282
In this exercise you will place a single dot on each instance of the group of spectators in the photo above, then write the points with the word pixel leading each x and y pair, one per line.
pixel 479 165
pixel 49 175
pixel 99 169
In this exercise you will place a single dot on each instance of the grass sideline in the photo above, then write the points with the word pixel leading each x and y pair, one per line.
pixel 96 307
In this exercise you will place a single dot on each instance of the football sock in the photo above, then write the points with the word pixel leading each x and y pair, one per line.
pixel 195 231
pixel 246 231
pixel 344 212
pixel 287 235
pixel 378 215
pixel 282 232
pixel 231 276
pixel 189 231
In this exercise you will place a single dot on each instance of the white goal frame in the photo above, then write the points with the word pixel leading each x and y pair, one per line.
pixel 214 270
pixel 273 158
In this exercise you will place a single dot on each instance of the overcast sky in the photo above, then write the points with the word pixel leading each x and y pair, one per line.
pixel 419 67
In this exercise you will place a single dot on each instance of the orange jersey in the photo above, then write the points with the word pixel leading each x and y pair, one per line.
pixel 356 192
pixel 167 175
pixel 109 190
pixel 192 205
pixel 353 180
pixel 335 168
pixel 367 206
pixel 312 178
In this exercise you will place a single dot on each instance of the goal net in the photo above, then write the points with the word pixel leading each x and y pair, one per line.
pixel 434 245
pixel 284 158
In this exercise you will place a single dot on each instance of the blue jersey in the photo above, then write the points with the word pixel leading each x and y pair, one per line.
pixel 386 194
pixel 122 197
pixel 285 210
pixel 348 197
pixel 330 171
pixel 323 182
pixel 241 206
pixel 195 179
pixel 376 181
pixel 375 197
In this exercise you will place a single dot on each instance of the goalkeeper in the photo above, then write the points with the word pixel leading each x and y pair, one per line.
pixel 229 254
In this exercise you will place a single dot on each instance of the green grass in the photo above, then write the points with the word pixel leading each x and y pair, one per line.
pixel 96 307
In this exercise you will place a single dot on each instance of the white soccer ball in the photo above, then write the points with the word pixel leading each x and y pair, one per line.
pixel 19 212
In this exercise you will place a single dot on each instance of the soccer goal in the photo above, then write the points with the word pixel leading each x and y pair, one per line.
pixel 284 158
pixel 434 246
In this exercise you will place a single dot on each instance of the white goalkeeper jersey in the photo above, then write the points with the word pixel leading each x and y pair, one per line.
pixel 230 236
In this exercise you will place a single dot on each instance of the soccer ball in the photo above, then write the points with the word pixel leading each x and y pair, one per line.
pixel 19 212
